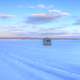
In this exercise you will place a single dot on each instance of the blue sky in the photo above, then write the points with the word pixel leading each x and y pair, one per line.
pixel 26 16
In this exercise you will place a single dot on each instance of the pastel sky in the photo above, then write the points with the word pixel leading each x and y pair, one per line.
pixel 25 17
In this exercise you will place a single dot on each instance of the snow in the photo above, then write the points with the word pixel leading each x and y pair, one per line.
pixel 30 60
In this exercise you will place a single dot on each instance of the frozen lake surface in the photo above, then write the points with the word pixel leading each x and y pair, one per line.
pixel 30 60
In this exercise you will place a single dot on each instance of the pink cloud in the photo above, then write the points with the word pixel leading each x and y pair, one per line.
pixel 46 17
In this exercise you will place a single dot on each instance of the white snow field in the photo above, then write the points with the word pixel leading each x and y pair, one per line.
pixel 30 60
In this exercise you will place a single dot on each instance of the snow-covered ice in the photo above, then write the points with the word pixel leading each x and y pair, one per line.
pixel 30 60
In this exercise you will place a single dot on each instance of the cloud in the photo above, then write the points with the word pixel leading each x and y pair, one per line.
pixel 60 32
pixel 6 16
pixel 40 18
pixel 58 12
pixel 25 31
pixel 7 35
pixel 42 6
pixel 16 30
pixel 38 6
